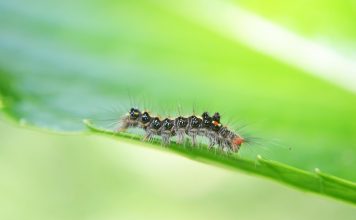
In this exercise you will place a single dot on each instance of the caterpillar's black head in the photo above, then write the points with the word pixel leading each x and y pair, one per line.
pixel 167 124
pixel 156 123
pixel 181 122
pixel 145 118
pixel 134 113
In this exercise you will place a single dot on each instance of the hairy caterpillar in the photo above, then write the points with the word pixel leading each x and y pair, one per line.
pixel 180 127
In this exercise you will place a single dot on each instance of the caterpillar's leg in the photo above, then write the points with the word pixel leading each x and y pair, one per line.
pixel 180 137
pixel 164 140
pixel 194 139
pixel 147 137
pixel 211 143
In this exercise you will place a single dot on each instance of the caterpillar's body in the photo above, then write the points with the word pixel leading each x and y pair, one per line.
pixel 192 126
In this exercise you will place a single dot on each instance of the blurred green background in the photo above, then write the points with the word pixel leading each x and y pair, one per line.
pixel 62 61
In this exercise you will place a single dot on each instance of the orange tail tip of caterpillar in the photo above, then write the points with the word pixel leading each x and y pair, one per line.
pixel 236 143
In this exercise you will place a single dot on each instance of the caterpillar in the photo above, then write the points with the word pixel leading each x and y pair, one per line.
pixel 180 127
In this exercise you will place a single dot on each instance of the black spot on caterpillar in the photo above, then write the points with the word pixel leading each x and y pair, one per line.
pixel 181 127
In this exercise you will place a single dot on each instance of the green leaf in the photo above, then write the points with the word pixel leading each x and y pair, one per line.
pixel 312 181
pixel 60 66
